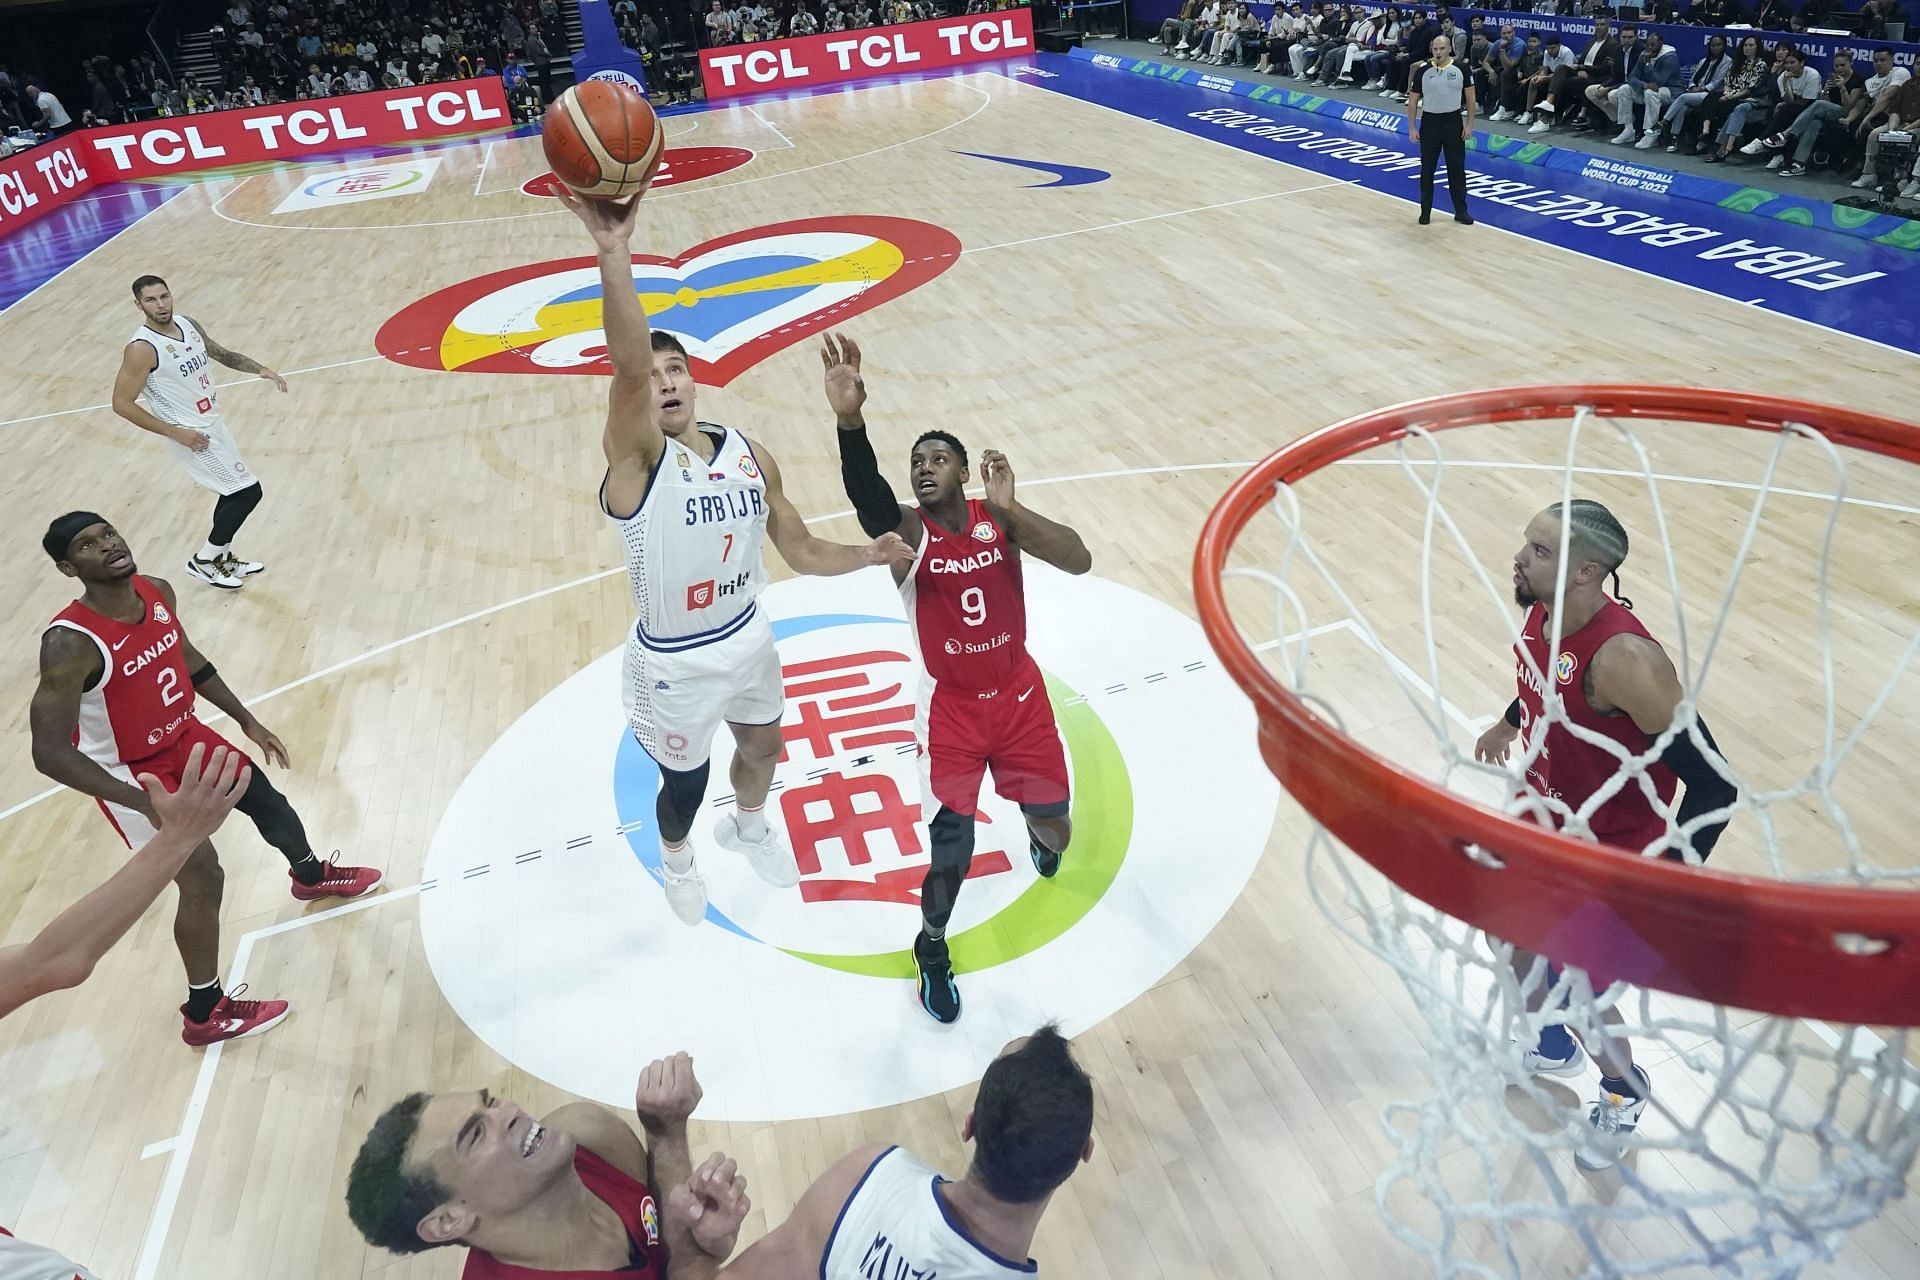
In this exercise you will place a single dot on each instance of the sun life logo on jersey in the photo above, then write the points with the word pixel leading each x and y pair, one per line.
pixel 1563 668
pixel 732 301
pixel 984 531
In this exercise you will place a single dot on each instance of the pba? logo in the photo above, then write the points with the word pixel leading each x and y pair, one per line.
pixel 1563 668
pixel 732 301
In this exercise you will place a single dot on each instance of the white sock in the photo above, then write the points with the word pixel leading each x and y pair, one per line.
pixel 753 822
pixel 211 552
pixel 678 857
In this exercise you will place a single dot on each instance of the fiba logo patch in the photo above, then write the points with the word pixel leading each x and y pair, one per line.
pixel 153 738
pixel 160 613
pixel 747 467
pixel 650 1220
pixel 984 532
pixel 952 647
pixel 1563 669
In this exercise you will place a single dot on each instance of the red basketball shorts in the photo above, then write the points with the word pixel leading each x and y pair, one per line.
pixel 167 765
pixel 1010 730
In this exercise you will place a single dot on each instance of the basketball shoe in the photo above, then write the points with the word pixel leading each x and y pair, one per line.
pixel 232 1019
pixel 769 857
pixel 214 573
pixel 1045 860
pixel 336 881
pixel 238 568
pixel 1612 1118
pixel 1536 1063
pixel 938 994
pixel 686 890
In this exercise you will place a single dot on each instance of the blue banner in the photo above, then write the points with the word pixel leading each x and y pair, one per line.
pixel 602 56
pixel 1650 177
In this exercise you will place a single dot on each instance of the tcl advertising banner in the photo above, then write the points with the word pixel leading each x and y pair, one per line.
pixel 857 55
pixel 40 180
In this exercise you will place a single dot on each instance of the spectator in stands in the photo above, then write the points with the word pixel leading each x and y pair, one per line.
pixel 1705 81
pixel 1507 54
pixel 1800 87
pixel 1652 82
pixel 1734 111
pixel 1876 15
pixel 358 81
pixel 538 60
pixel 104 108
pixel 1555 59
pixel 1569 84
pixel 238 14
pixel 1774 15
pixel 1902 109
pixel 804 23
pixel 1174 30
pixel 1598 109
pixel 53 118
pixel 1350 58
pixel 1306 51
pixel 1844 90
pixel 719 24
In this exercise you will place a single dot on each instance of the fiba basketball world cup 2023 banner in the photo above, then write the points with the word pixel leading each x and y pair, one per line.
pixel 841 56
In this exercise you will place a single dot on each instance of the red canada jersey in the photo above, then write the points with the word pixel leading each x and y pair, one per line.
pixel 144 697
pixel 1567 769
pixel 967 604
pixel 626 1196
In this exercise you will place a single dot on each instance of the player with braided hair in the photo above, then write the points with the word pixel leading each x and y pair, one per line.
pixel 1609 680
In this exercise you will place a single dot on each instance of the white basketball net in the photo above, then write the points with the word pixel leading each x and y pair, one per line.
pixel 1766 1138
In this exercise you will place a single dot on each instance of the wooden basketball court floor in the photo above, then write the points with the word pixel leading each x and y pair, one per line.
pixel 437 566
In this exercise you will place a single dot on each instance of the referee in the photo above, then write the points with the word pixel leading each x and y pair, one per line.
pixel 1440 91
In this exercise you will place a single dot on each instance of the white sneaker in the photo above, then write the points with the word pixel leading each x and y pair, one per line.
pixel 213 572
pixel 1647 142
pixel 1540 126
pixel 1613 1119
pixel 686 891
pixel 1754 148
pixel 1536 1063
pixel 1625 136
pixel 1182 45
pixel 1777 161
pixel 1911 191
pixel 1864 181
pixel 769 856
pixel 1498 115
pixel 238 568
pixel 1526 118
pixel 1547 108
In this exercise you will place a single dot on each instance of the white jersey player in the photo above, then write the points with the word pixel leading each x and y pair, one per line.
pixel 169 361
pixel 694 502
pixel 879 1211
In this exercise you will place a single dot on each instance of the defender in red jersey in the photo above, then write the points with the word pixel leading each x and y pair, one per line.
pixel 984 704
pixel 116 699
pixel 563 1198
pixel 1605 695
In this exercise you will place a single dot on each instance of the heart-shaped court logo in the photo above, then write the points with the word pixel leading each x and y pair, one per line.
pixel 732 301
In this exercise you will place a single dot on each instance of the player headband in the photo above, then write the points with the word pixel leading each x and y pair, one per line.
pixel 62 532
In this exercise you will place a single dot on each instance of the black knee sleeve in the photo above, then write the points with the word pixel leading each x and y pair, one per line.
pixel 679 800
pixel 274 817
pixel 230 513
pixel 951 835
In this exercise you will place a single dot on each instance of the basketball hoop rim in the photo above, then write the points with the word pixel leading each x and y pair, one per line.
pixel 1841 953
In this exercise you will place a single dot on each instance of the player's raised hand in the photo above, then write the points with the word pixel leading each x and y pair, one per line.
pixel 889 548
pixel 846 390
pixel 712 1203
pixel 610 222
pixel 667 1094
pixel 997 472
pixel 269 743
pixel 205 796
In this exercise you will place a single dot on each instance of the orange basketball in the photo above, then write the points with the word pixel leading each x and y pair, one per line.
pixel 603 140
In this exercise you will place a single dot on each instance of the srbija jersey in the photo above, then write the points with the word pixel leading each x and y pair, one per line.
pixel 144 698
pixel 1566 769
pixel 894 1224
pixel 693 547
pixel 966 602
pixel 180 388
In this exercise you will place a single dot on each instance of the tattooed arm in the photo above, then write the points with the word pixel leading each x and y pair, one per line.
pixel 234 360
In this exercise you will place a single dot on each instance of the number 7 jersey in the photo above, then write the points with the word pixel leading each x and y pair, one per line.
pixel 967 602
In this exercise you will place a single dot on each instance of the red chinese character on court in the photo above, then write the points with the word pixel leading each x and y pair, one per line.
pixel 365 182
pixel 855 840
pixel 849 703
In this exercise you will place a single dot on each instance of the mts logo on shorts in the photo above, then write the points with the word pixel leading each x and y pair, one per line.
pixel 701 595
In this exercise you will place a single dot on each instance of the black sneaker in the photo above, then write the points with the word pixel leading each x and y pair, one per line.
pixel 1045 860
pixel 1792 169
pixel 938 994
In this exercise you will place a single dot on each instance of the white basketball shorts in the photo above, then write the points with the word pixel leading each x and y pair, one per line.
pixel 676 700
pixel 219 466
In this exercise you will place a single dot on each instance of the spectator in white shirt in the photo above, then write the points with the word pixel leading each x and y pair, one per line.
pixel 239 14
pixel 804 23
pixel 431 44
pixel 53 116
pixel 252 38
pixel 720 24
pixel 397 68
pixel 366 52
pixel 358 81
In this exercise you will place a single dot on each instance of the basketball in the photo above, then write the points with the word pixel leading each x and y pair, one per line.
pixel 603 140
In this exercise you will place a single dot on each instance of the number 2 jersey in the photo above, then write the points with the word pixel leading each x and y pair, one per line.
pixel 693 545
pixel 144 698
pixel 967 603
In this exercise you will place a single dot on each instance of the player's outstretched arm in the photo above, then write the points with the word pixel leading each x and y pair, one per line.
pixel 234 360
pixel 1635 675
pixel 208 683
pixel 63 954
pixel 69 662
pixel 794 1248
pixel 136 362
pixel 632 440
pixel 867 489
pixel 1058 544
pixel 807 554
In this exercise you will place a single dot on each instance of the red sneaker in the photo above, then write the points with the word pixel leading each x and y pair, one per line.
pixel 232 1019
pixel 336 882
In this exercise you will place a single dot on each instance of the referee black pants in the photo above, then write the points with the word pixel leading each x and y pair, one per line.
pixel 1441 132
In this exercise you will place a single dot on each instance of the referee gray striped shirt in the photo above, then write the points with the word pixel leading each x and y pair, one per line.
pixel 1441 89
